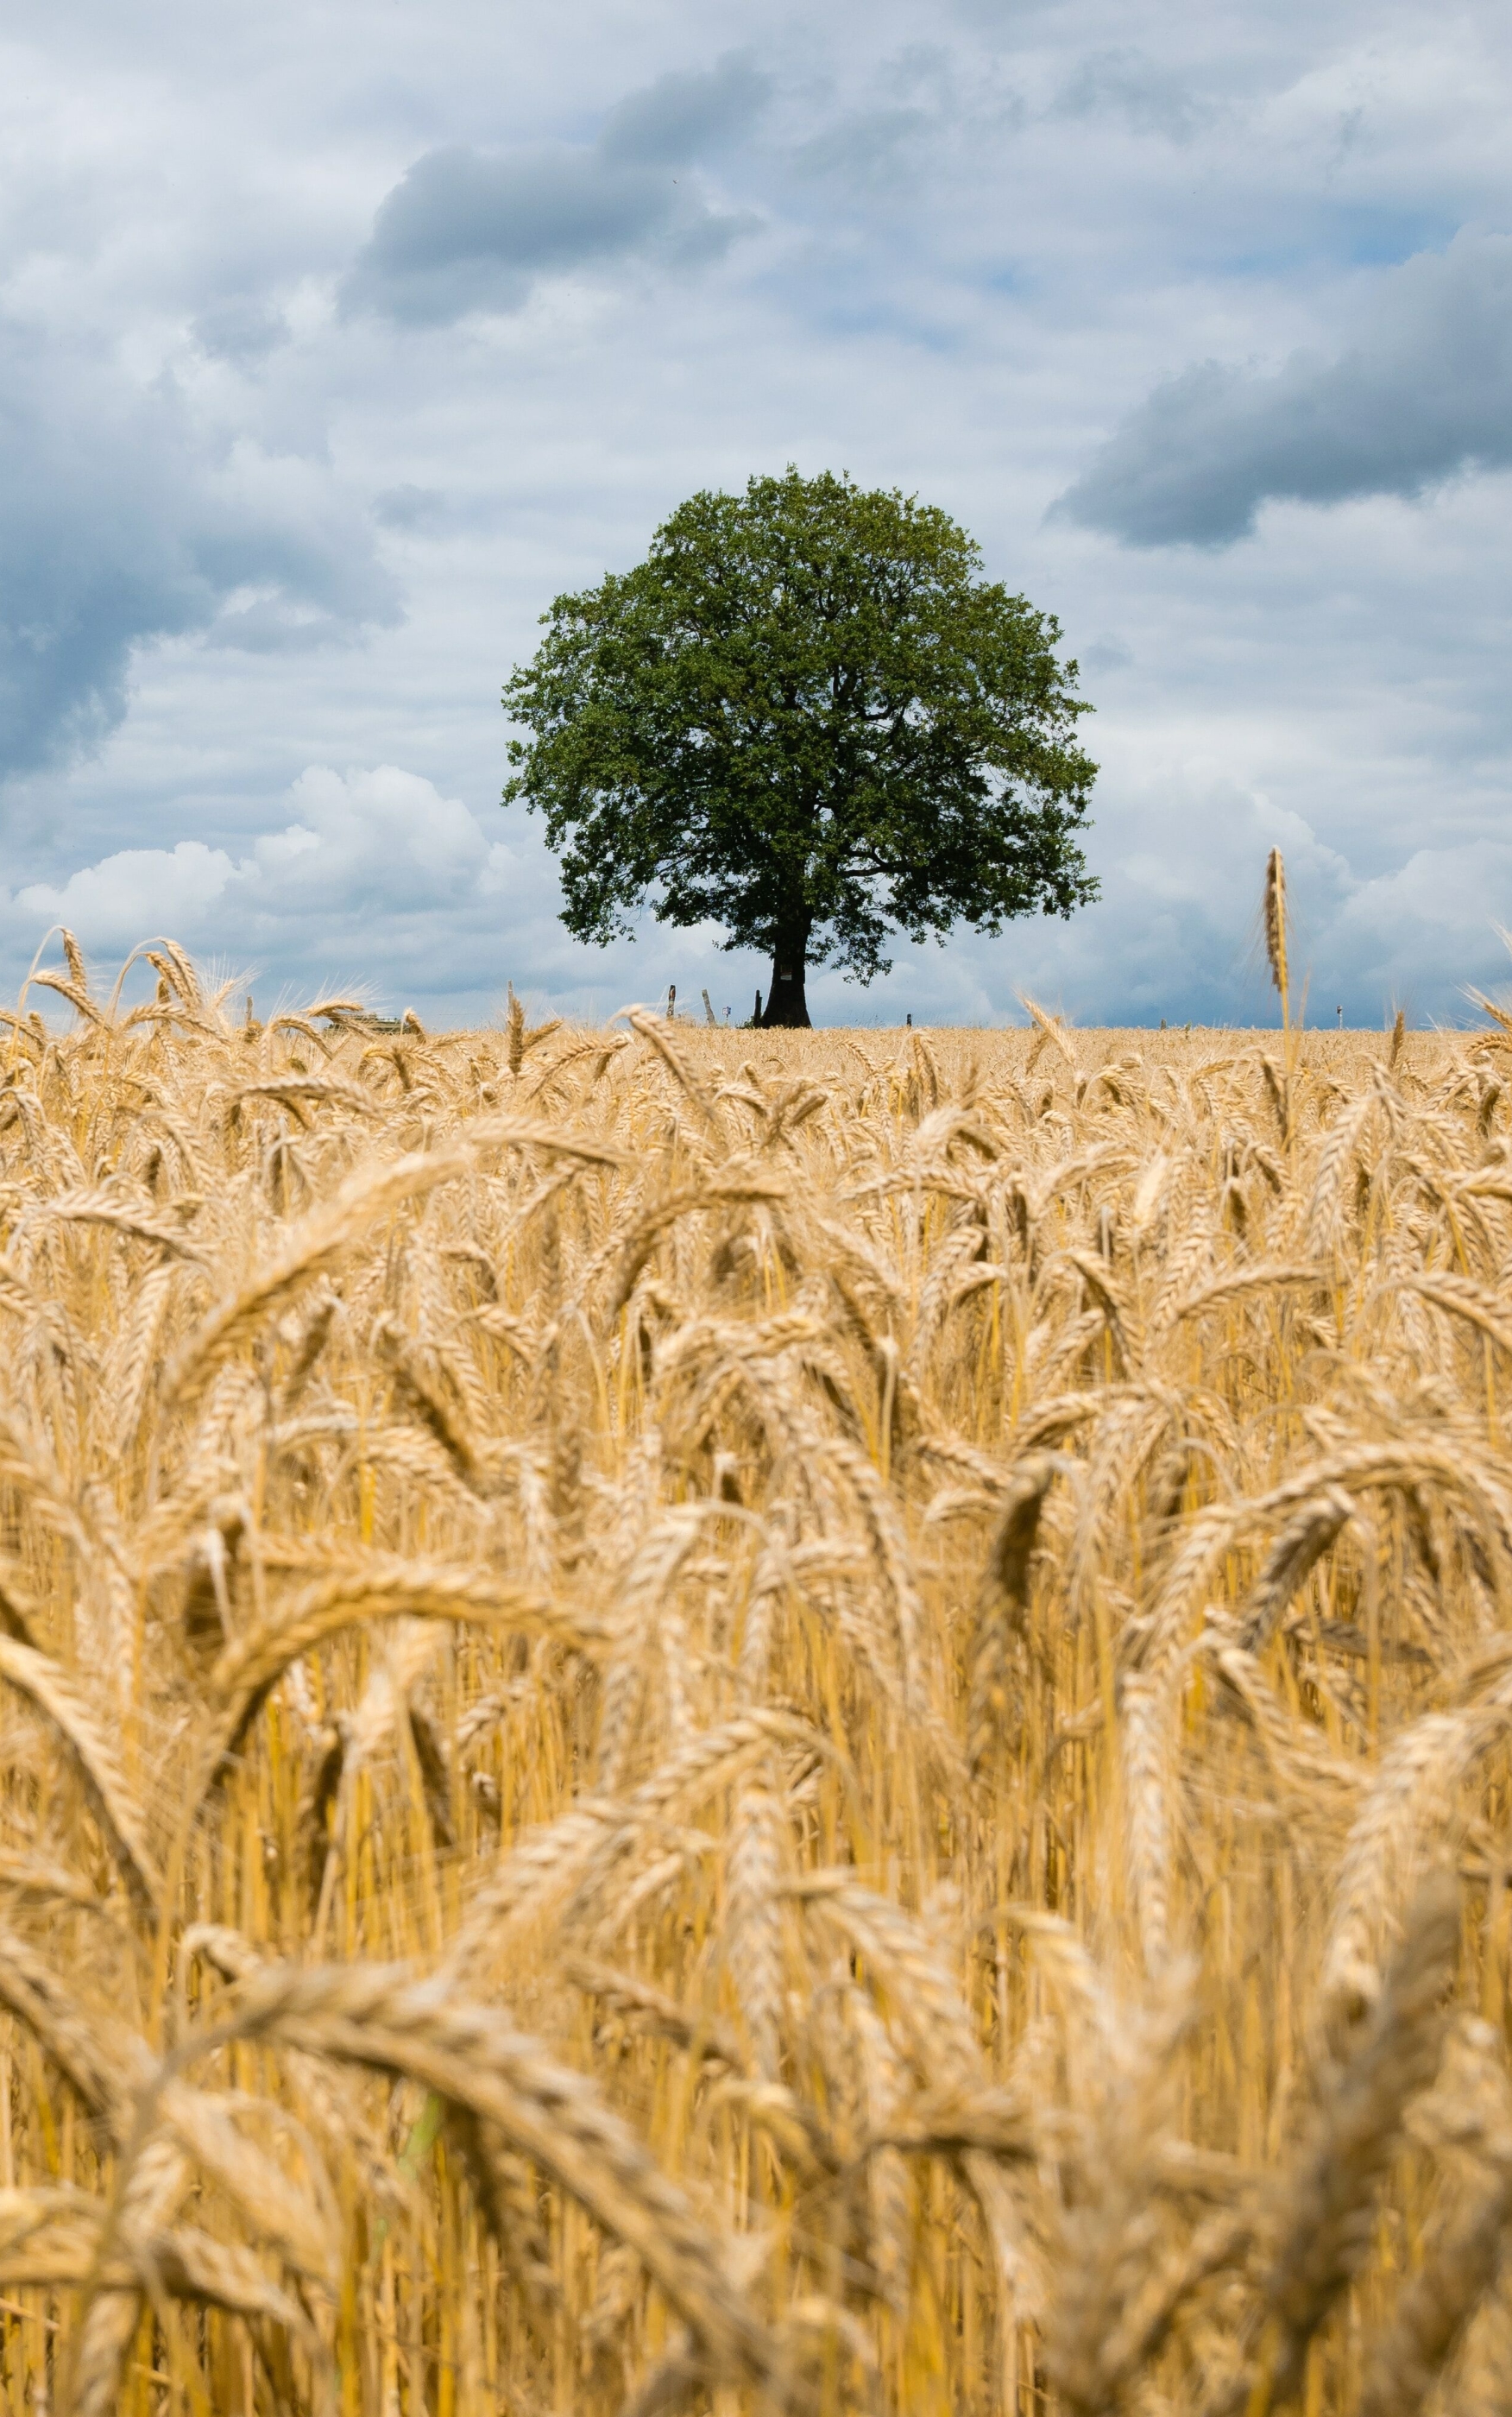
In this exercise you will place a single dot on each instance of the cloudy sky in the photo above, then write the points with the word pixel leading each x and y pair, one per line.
pixel 338 339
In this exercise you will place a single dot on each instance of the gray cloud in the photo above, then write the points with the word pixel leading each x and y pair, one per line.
pixel 240 327
pixel 1426 392
pixel 120 524
pixel 415 511
pixel 873 150
pixel 1127 83
pixel 686 117
pixel 921 123
pixel 471 230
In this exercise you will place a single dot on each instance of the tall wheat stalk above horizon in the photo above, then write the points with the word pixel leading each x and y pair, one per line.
pixel 750 1721
pixel 1275 916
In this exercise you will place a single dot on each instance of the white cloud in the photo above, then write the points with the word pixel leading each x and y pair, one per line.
pixel 353 829
pixel 1444 905
pixel 374 846
pixel 134 895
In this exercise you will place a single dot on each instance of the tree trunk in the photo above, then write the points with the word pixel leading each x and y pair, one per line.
pixel 786 1006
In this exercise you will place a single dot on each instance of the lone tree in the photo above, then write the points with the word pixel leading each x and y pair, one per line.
pixel 805 717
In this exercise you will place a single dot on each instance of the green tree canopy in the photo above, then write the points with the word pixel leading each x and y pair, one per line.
pixel 805 717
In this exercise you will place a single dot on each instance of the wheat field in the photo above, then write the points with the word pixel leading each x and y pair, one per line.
pixel 746 1721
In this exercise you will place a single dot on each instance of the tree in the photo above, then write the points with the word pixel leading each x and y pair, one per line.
pixel 806 718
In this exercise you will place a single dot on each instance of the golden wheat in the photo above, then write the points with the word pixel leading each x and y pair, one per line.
pixel 781 1722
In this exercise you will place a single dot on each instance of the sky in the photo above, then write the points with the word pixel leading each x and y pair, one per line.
pixel 337 340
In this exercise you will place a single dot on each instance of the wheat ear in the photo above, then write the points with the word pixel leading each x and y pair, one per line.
pixel 472 2058
pixel 889 2188
pixel 1301 1544
pixel 111 1799
pixel 1324 2200
pixel 1003 1605
pixel 102 2066
pixel 1276 931
pixel 755 1924
pixel 156 2183
pixel 313 1248
pixel 1107 2238
pixel 1436 2306
pixel 396 1589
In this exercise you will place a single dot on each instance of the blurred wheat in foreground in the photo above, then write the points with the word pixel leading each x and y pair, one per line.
pixel 753 1723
